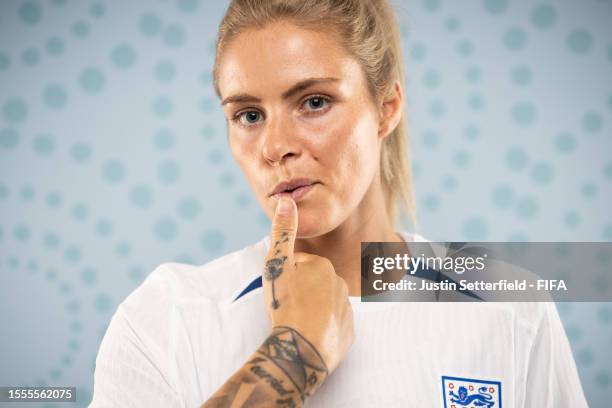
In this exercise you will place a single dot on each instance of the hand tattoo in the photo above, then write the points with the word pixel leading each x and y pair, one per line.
pixel 274 268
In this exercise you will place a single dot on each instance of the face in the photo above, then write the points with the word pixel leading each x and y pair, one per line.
pixel 298 107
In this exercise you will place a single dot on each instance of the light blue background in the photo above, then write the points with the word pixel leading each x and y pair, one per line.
pixel 113 155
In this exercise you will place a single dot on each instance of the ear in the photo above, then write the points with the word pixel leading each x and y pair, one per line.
pixel 391 111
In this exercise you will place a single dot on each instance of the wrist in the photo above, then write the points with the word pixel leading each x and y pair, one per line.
pixel 289 354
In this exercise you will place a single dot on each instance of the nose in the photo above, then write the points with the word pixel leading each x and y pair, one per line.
pixel 280 141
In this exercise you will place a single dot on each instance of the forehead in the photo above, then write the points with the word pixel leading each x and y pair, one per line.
pixel 272 58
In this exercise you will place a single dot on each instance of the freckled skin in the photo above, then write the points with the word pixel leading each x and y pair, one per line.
pixel 338 145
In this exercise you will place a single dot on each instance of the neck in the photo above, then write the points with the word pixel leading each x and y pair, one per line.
pixel 342 245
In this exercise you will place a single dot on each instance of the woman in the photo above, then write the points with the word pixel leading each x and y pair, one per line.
pixel 313 95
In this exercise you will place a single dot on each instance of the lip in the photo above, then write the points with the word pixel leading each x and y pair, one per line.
pixel 296 194
pixel 300 187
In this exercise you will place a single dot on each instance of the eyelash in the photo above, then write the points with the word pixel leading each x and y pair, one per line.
pixel 238 115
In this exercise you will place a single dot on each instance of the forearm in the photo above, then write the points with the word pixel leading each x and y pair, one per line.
pixel 283 372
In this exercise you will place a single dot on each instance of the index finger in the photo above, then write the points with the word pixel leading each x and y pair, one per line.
pixel 282 240
pixel 284 229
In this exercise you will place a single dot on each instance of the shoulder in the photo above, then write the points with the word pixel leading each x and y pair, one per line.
pixel 217 280
pixel 528 316
pixel 147 316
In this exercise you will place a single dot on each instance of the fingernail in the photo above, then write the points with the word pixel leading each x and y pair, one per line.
pixel 283 206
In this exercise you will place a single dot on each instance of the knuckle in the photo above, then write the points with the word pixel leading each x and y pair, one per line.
pixel 272 255
pixel 282 226
pixel 323 262
pixel 328 263
pixel 301 256
pixel 281 230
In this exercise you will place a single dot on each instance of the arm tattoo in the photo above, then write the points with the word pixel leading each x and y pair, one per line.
pixel 274 268
pixel 285 371
pixel 297 357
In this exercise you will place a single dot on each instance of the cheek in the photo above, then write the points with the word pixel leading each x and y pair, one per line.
pixel 349 149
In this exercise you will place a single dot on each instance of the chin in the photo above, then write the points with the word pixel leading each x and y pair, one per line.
pixel 313 224
pixel 309 231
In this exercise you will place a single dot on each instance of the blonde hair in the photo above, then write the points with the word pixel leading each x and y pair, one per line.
pixel 370 34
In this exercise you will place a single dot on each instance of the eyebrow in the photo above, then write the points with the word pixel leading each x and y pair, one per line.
pixel 300 86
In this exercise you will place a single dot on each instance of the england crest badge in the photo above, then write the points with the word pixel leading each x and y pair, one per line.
pixel 471 393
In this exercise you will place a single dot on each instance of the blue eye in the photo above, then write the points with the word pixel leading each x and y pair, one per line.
pixel 251 117
pixel 317 103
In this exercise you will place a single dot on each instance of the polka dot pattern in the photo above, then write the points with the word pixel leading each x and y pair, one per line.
pixel 543 16
pixel 15 110
pixel 509 122
pixel 92 80
pixel 579 41
pixel 515 38
pixel 150 24
pixel 30 12
pixel 55 96
pixel 123 56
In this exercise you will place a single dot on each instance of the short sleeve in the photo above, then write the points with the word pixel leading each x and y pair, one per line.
pixel 552 378
pixel 133 365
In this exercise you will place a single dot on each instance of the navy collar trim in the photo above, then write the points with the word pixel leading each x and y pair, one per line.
pixel 428 274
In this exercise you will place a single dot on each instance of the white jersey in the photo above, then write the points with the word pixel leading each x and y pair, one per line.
pixel 186 329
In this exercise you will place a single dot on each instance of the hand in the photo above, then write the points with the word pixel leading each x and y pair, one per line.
pixel 306 300
pixel 312 326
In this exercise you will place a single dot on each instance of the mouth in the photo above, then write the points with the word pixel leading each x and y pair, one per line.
pixel 295 188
